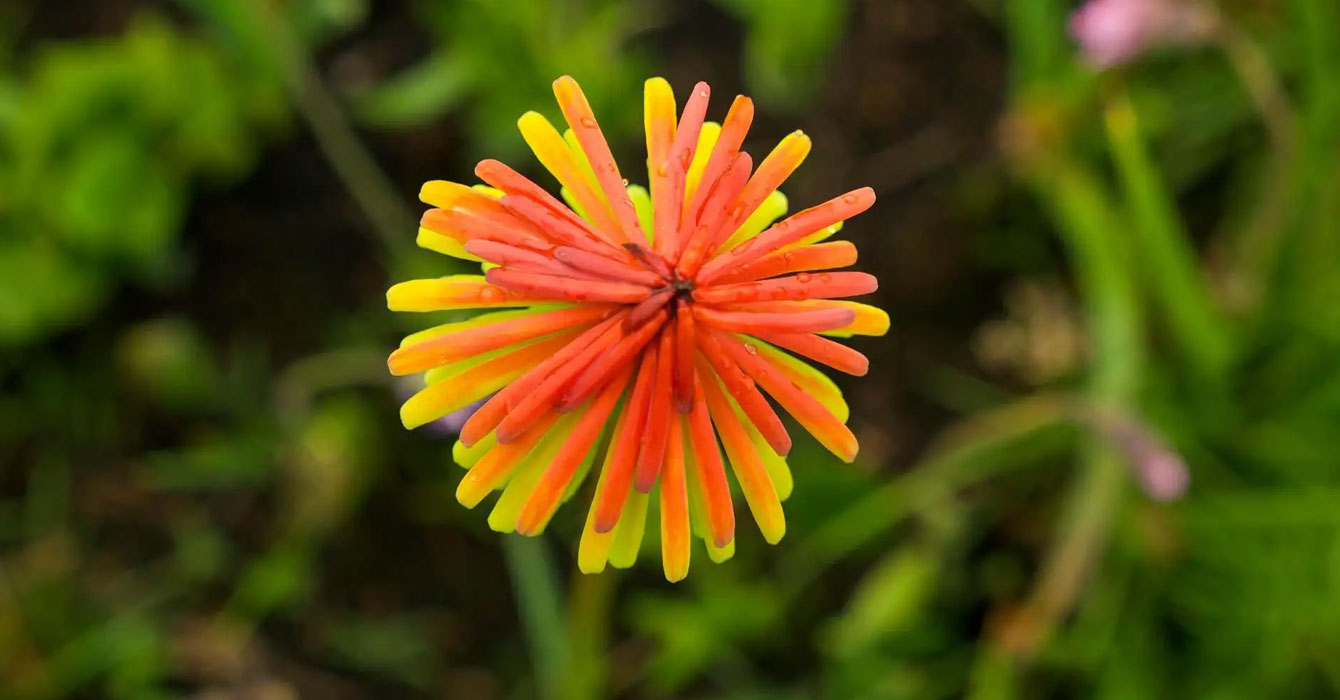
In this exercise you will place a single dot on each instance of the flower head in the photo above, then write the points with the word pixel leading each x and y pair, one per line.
pixel 642 326
pixel 1112 32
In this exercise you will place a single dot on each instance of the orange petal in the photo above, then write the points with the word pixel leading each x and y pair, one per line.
pixel 684 349
pixel 563 227
pixel 656 433
pixel 823 425
pixel 520 259
pixel 821 350
pixel 707 221
pixel 648 308
pixel 771 173
pixel 461 390
pixel 671 172
pixel 733 130
pixel 609 363
pixel 675 532
pixel 450 347
pixel 824 256
pixel 757 486
pixel 795 322
pixel 577 112
pixel 531 406
pixel 624 444
pixel 744 392
pixel 450 293
pixel 789 230
pixel 553 484
pixel 488 416
pixel 553 287
pixel 463 226
pixel 559 159
pixel 820 285
pixel 604 268
pixel 498 463
pixel 710 472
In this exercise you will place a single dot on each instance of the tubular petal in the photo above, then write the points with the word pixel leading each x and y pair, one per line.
pixel 594 546
pixel 603 267
pixel 821 350
pixel 450 293
pixel 503 517
pixel 803 285
pixel 750 472
pixel 622 456
pixel 742 389
pixel 642 203
pixel 628 533
pixel 498 463
pixel 561 229
pixel 675 531
pixel 707 139
pixel 454 346
pixel 468 457
pixel 674 171
pixel 771 173
pixel 529 407
pixel 656 433
pixel 577 111
pixel 729 140
pixel 797 322
pixel 684 349
pixel 558 159
pixel 553 287
pixel 805 376
pixel 790 230
pixel 464 226
pixel 772 208
pixel 711 474
pixel 658 110
pixel 465 388
pixel 521 259
pixel 610 363
pixel 825 256
pixel 707 222
pixel 824 426
pixel 544 498
pixel 648 308
pixel 446 245
pixel 488 416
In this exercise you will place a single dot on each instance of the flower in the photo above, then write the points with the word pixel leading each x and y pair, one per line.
pixel 1112 32
pixel 651 317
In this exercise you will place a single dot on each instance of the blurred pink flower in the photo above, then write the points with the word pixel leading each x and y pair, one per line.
pixel 1112 32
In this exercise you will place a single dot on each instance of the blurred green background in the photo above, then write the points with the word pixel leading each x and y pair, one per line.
pixel 1095 277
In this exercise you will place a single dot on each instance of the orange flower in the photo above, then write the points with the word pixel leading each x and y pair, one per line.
pixel 649 324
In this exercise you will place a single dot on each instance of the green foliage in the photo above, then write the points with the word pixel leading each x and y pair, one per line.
pixel 498 65
pixel 197 501
pixel 788 45
pixel 101 142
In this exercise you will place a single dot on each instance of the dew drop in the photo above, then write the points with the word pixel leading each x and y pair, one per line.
pixel 803 278
pixel 489 294
pixel 825 277
pixel 588 122
pixel 751 348
pixel 849 198
pixel 625 182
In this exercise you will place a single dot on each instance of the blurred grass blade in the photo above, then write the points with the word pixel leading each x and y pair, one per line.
pixel 1162 248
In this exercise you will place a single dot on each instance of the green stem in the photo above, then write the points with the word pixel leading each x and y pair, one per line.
pixel 538 604
pixel 353 164
pixel 1163 248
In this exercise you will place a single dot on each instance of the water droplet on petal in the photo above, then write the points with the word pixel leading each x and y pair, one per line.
pixel 803 278
pixel 751 348
pixel 849 198
pixel 588 122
